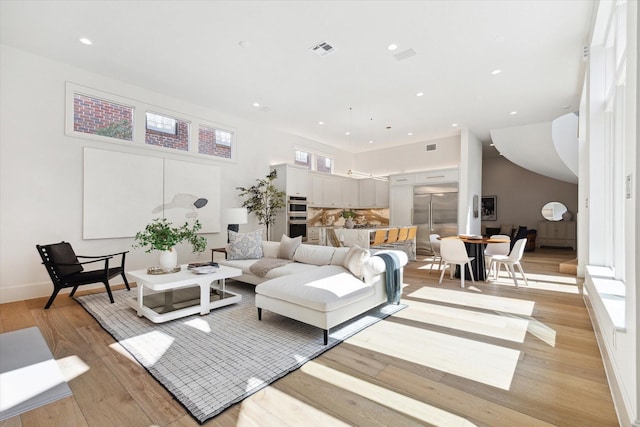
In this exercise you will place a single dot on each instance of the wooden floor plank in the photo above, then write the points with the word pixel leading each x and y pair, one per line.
pixel 558 379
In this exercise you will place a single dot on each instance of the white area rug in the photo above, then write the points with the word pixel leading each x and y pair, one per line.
pixel 211 362
pixel 29 376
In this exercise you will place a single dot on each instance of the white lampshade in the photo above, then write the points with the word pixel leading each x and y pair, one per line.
pixel 235 216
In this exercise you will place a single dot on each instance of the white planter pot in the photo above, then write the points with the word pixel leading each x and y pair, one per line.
pixel 169 259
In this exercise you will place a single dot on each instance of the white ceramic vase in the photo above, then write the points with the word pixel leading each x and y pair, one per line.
pixel 169 259
pixel 348 223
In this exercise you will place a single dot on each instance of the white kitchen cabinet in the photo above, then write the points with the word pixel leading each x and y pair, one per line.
pixel 437 176
pixel 326 190
pixel 316 195
pixel 404 179
pixel 350 193
pixel 401 206
pixel 556 233
pixel 373 193
pixel 293 180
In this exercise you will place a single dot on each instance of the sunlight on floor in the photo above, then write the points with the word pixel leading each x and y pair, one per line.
pixel 512 328
pixel 568 285
pixel 149 347
pixel 290 411
pixel 485 363
pixel 120 350
pixel 537 329
pixel 199 324
pixel 72 367
pixel 396 401
pixel 487 302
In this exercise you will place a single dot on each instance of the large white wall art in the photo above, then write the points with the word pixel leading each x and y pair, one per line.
pixel 124 192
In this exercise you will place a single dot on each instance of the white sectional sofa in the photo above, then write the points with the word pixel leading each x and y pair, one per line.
pixel 320 285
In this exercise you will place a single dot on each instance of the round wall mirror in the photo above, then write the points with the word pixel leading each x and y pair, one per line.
pixel 553 211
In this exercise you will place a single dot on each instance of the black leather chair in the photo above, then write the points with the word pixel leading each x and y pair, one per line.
pixel 66 271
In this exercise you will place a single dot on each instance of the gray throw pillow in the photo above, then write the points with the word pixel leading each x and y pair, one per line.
pixel 245 245
pixel 288 246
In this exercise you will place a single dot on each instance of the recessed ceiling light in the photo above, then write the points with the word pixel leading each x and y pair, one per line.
pixel 256 104
pixel 420 94
pixel 392 46
pixel 496 71
pixel 347 133
pixel 320 123
pixel 410 134
pixel 566 107
pixel 454 125
pixel 513 113
pixel 86 41
pixel 370 142
pixel 243 44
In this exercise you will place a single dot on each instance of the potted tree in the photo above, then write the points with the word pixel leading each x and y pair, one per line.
pixel 162 236
pixel 264 199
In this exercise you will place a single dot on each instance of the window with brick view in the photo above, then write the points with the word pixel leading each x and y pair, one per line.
pixel 214 142
pixel 303 158
pixel 100 117
pixel 160 135
pixel 324 164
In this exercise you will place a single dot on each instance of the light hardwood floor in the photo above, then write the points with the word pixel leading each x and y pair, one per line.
pixel 486 355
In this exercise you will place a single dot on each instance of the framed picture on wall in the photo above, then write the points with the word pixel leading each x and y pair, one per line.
pixel 489 208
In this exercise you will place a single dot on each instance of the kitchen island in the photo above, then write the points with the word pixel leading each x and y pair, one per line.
pixel 358 236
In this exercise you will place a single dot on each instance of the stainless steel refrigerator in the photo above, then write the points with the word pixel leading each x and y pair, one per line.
pixel 435 210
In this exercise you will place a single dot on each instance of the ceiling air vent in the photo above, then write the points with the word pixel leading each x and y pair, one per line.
pixel 322 48
pixel 431 147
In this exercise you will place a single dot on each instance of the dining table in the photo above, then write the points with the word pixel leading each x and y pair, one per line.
pixel 475 248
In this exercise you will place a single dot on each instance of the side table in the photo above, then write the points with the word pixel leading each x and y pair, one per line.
pixel 222 250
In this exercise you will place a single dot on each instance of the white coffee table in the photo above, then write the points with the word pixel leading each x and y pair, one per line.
pixel 181 294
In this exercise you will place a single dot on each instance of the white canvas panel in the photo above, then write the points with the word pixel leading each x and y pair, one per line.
pixel 191 190
pixel 120 193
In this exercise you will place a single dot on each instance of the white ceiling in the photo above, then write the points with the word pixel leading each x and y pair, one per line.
pixel 190 50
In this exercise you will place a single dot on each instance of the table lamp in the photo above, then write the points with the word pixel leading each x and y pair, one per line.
pixel 234 217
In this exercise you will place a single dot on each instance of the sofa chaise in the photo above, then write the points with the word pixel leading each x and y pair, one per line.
pixel 322 286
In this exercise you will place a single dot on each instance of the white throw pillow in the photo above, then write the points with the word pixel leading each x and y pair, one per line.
pixel 355 259
pixel 245 245
pixel 315 255
pixel 288 246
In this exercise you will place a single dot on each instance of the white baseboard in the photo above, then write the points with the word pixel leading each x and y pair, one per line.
pixel 35 290
pixel 616 393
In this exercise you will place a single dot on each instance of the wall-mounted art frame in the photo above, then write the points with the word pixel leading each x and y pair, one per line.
pixel 123 192
pixel 489 208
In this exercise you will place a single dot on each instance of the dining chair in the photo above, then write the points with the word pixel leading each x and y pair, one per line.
pixel 496 249
pixel 379 238
pixel 392 237
pixel 511 261
pixel 435 248
pixel 453 253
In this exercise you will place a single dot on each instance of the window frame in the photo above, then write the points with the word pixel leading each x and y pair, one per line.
pixel 139 124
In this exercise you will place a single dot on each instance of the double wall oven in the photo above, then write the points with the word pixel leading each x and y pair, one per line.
pixel 297 208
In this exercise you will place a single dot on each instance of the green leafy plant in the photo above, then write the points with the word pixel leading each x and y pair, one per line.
pixel 348 214
pixel 161 235
pixel 264 199
pixel 120 130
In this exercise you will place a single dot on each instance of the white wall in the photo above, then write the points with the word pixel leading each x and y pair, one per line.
pixel 41 167
pixel 410 157
pixel 470 183
pixel 620 347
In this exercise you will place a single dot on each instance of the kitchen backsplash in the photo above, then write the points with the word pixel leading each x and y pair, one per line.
pixel 324 217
